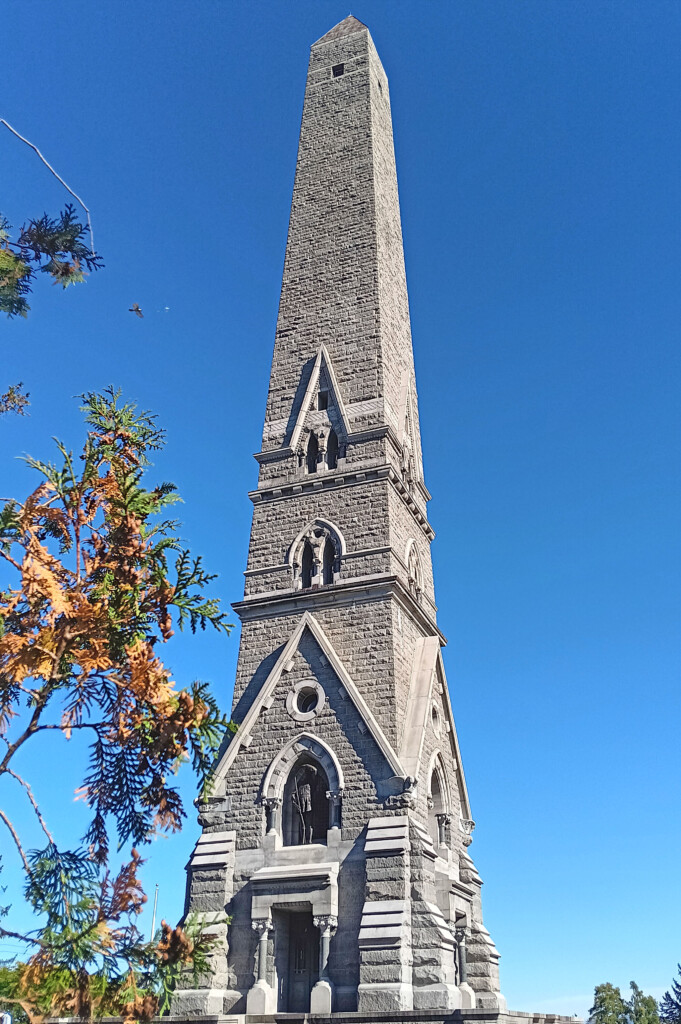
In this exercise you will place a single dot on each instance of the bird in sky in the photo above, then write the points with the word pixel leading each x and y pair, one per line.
pixel 136 310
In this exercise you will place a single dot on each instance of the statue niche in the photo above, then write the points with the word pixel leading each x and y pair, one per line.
pixel 305 817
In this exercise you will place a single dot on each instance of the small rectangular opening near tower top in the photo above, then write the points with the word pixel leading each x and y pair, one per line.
pixel 323 400
pixel 338 70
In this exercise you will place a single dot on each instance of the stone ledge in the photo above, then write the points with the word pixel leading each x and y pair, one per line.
pixel 401 1017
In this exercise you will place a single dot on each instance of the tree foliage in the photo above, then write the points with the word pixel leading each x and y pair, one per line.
pixel 15 399
pixel 611 1008
pixel 98 578
pixel 48 245
pixel 670 1005
pixel 642 1008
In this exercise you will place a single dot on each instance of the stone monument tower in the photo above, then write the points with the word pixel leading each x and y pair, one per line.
pixel 337 834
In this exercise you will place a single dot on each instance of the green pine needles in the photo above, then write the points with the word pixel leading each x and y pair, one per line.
pixel 48 245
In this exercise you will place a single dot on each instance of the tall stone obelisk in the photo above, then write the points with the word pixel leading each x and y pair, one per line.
pixel 336 837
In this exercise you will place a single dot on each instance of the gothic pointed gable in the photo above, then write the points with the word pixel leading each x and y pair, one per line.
pixel 241 738
pixel 428 674
pixel 322 374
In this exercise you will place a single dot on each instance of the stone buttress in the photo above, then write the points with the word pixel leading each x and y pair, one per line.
pixel 336 837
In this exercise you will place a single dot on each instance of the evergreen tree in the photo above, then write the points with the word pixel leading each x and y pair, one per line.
pixel 642 1008
pixel 48 245
pixel 670 1006
pixel 609 1007
pixel 94 580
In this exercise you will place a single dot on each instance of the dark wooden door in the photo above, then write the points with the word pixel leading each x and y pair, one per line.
pixel 303 962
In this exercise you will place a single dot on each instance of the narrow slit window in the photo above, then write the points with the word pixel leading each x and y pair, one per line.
pixel 307 566
pixel 327 563
pixel 332 450
pixel 338 70
pixel 312 453
pixel 323 400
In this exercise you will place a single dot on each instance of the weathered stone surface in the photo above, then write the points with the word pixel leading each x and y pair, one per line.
pixel 339 606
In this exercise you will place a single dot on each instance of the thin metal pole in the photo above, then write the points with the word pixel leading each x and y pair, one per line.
pixel 153 916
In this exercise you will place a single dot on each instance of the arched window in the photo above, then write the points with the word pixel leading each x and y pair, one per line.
pixel 328 562
pixel 312 453
pixel 332 450
pixel 438 811
pixel 307 565
pixel 305 810
pixel 316 555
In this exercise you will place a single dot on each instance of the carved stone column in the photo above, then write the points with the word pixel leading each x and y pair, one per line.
pixel 467 993
pixel 262 998
pixel 334 796
pixel 327 926
pixel 272 805
pixel 262 927
pixel 443 822
pixel 321 997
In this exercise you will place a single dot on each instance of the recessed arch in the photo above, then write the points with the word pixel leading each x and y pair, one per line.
pixel 321 524
pixel 438 799
pixel 437 771
pixel 276 775
pixel 316 555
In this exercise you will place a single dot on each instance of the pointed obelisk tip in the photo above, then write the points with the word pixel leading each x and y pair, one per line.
pixel 346 27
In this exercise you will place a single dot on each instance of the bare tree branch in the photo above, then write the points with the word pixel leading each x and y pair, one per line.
pixel 15 837
pixel 57 176
pixel 29 791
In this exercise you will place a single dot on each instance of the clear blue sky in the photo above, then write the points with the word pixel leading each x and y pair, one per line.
pixel 538 160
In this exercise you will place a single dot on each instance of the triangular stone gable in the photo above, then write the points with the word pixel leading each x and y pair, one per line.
pixel 285 663
pixel 322 371
pixel 428 686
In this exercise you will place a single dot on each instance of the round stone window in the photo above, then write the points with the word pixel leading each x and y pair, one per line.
pixel 305 700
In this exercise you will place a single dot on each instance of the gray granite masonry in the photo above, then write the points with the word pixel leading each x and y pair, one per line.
pixel 334 866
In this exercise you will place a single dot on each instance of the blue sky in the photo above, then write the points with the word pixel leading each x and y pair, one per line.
pixel 538 160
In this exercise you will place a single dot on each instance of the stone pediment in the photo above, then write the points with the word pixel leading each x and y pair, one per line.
pixel 263 700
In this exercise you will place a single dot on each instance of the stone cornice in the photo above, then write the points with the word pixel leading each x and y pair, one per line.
pixel 363 589
pixel 344 478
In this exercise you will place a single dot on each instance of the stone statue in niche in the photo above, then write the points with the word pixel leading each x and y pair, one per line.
pixel 301 797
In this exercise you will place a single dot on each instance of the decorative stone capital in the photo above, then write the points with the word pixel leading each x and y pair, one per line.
pixel 271 803
pixel 334 796
pixel 261 925
pixel 460 935
pixel 467 825
pixel 326 923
